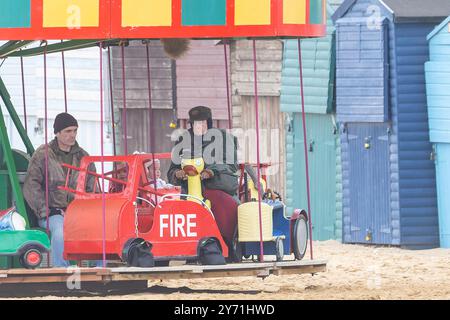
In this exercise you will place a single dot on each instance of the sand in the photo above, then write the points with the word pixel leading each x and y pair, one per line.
pixel 353 272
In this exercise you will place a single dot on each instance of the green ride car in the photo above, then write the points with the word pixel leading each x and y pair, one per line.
pixel 28 245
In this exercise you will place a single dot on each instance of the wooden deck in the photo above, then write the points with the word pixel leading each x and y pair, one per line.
pixel 109 275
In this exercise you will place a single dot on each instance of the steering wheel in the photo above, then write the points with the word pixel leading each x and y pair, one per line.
pixel 271 195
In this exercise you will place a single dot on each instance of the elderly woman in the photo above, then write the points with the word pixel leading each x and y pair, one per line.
pixel 220 181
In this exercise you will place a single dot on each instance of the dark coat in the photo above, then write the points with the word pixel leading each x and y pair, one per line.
pixel 225 166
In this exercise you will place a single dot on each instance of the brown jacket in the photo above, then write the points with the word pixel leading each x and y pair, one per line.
pixel 34 186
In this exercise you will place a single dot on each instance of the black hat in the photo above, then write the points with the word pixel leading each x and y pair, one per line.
pixel 64 120
pixel 200 113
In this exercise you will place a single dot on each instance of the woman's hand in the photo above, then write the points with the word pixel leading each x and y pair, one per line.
pixel 206 174
pixel 181 175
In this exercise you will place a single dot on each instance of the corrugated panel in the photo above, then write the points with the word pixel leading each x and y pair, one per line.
pixel 438 92
pixel 361 72
pixel 201 79
pixel 83 87
pixel 322 170
pixel 290 164
pixel 368 176
pixel 443 190
pixel 393 147
pixel 139 133
pixel 269 59
pixel 438 83
pixel 418 203
pixel 318 63
pixel 361 82
pixel 136 76
pixel 339 223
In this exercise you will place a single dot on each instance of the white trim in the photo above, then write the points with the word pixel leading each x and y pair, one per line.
pixel 385 5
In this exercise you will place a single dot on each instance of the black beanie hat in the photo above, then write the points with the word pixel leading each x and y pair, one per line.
pixel 201 113
pixel 64 120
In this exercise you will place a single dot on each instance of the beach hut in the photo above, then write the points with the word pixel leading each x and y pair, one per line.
pixel 271 120
pixel 438 94
pixel 389 187
pixel 131 64
pixel 201 80
pixel 318 67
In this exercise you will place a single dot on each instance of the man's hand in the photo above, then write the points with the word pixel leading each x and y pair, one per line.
pixel 181 175
pixel 206 174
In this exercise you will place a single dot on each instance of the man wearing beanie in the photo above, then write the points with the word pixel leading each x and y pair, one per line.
pixel 218 149
pixel 63 149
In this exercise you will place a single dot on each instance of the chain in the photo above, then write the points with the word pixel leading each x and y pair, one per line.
pixel 136 220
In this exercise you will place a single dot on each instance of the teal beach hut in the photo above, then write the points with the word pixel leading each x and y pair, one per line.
pixel 318 66
pixel 438 97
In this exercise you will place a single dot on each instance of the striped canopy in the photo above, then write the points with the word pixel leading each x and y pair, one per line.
pixel 131 19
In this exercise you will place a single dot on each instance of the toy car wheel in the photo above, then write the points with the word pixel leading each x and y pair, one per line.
pixel 300 237
pixel 136 252
pixel 236 248
pixel 279 245
pixel 31 258
pixel 210 252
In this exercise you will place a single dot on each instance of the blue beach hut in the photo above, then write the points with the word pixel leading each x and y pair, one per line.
pixel 389 187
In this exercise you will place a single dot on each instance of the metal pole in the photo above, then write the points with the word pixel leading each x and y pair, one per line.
pixel 111 97
pixel 308 191
pixel 46 150
pixel 64 79
pixel 151 123
pixel 23 95
pixel 255 73
pixel 11 167
pixel 102 161
pixel 230 120
pixel 124 111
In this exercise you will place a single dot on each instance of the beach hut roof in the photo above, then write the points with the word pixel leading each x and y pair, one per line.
pixel 407 10
pixel 438 29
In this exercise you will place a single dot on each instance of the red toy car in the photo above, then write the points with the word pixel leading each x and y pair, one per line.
pixel 134 211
